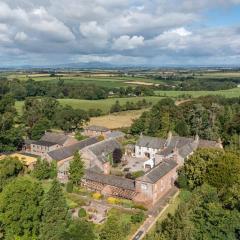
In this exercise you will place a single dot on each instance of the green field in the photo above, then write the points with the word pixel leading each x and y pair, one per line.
pixel 235 92
pixel 104 104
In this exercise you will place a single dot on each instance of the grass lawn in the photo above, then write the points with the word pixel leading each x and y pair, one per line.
pixel 230 93
pixel 104 104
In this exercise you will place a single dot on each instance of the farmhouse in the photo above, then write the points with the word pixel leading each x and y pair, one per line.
pixel 48 142
pixel 93 131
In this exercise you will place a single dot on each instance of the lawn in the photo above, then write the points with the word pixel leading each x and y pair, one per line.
pixel 104 104
pixel 235 92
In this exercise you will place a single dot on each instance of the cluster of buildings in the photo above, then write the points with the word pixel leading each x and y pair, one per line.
pixel 157 158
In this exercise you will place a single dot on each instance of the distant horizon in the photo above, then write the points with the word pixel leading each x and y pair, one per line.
pixel 120 32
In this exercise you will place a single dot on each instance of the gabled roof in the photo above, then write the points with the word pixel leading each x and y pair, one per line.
pixel 209 144
pixel 68 151
pixel 59 138
pixel 97 128
pixel 151 142
pixel 104 148
pixel 115 134
pixel 112 180
pixel 179 142
pixel 44 143
pixel 159 171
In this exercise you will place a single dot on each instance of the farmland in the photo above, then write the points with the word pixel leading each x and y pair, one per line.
pixel 117 120
pixel 235 92
pixel 104 104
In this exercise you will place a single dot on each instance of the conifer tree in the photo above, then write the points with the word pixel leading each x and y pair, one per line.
pixel 55 213
pixel 76 169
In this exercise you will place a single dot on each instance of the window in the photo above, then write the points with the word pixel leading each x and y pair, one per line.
pixel 144 186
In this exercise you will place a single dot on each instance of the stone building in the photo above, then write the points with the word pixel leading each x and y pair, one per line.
pixel 94 131
pixel 49 142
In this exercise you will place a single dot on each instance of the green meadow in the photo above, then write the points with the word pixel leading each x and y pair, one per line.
pixel 230 93
pixel 104 104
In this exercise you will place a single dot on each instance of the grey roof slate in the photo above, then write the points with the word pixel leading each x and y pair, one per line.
pixel 104 148
pixel 150 142
pixel 208 144
pixel 97 128
pixel 115 134
pixel 44 143
pixel 68 151
pixel 59 138
pixel 179 142
pixel 110 180
pixel 159 171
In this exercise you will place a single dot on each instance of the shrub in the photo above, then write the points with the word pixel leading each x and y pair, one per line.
pixel 138 217
pixel 82 213
pixel 113 200
pixel 141 207
pixel 97 196
pixel 69 187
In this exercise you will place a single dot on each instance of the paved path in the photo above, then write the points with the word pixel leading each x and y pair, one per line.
pixel 154 213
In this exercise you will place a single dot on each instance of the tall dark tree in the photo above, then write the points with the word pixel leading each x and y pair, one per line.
pixel 55 213
pixel 76 169
pixel 117 155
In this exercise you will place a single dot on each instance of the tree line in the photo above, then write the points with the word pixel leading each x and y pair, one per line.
pixel 21 90
pixel 210 117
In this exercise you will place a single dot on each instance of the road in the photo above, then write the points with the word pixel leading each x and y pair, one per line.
pixel 154 213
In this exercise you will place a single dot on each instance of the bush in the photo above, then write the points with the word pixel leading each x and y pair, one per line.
pixel 82 213
pixel 69 187
pixel 97 196
pixel 141 207
pixel 113 200
pixel 138 217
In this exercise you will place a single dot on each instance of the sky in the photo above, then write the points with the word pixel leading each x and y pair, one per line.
pixel 119 32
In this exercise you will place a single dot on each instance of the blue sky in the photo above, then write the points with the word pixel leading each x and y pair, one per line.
pixel 120 32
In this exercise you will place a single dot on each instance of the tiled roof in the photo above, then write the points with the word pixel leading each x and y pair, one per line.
pixel 59 138
pixel 159 171
pixel 44 143
pixel 150 142
pixel 110 180
pixel 115 134
pixel 68 151
pixel 179 142
pixel 97 128
pixel 104 148
pixel 208 144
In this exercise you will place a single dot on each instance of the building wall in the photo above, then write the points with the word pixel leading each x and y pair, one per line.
pixel 141 151
pixel 42 150
pixel 91 133
pixel 155 191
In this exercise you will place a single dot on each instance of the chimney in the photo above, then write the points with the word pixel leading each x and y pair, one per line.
pixel 197 138
pixel 169 138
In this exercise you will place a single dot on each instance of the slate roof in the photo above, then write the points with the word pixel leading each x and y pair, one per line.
pixel 97 128
pixel 44 143
pixel 110 180
pixel 159 171
pixel 68 151
pixel 187 149
pixel 104 148
pixel 179 142
pixel 208 144
pixel 59 138
pixel 151 142
pixel 115 134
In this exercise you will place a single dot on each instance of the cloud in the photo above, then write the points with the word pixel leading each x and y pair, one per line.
pixel 94 33
pixel 126 42
pixel 124 31
pixel 21 36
